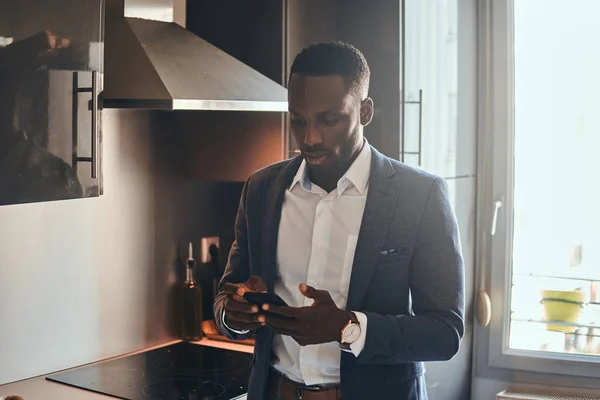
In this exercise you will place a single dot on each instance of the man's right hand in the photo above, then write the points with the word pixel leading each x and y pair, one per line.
pixel 239 314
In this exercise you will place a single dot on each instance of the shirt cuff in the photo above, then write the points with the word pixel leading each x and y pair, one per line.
pixel 236 331
pixel 357 347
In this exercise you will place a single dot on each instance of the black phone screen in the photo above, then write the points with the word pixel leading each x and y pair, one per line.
pixel 260 298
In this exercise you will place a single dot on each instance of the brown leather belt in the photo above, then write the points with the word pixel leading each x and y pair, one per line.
pixel 281 388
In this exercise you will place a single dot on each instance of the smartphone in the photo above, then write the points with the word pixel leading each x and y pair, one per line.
pixel 260 298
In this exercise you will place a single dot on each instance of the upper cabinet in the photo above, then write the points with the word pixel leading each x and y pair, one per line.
pixel 51 64
pixel 225 145
pixel 374 28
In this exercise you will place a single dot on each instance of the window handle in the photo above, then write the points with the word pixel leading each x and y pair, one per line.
pixel 483 307
pixel 497 206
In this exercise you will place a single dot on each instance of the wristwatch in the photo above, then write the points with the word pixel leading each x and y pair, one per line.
pixel 350 332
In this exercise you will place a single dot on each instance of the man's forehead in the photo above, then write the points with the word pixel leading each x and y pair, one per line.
pixel 317 91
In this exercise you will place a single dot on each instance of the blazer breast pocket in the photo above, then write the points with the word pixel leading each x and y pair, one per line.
pixel 394 254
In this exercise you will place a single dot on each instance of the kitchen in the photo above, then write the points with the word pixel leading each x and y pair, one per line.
pixel 162 163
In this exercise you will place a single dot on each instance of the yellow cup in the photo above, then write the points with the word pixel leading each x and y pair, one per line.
pixel 562 306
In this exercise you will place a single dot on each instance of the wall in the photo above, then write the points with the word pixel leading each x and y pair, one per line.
pixel 225 146
pixel 86 279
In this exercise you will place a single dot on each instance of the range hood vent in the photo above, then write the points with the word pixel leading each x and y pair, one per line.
pixel 153 63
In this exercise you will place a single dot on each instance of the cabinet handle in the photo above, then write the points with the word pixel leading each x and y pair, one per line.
pixel 95 132
pixel 419 152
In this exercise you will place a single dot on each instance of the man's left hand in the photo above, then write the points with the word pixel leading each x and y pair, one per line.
pixel 322 322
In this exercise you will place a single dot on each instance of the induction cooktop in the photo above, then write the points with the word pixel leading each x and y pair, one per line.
pixel 183 371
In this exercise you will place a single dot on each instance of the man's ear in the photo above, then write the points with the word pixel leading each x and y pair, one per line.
pixel 367 108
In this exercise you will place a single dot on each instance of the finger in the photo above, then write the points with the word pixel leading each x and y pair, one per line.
pixel 233 305
pixel 256 284
pixel 292 312
pixel 64 42
pixel 51 38
pixel 239 299
pixel 243 321
pixel 244 317
pixel 232 288
pixel 315 294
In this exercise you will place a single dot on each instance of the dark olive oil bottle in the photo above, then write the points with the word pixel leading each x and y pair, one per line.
pixel 191 302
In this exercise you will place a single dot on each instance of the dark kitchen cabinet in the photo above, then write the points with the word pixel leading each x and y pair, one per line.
pixel 51 65
pixel 374 28
pixel 250 31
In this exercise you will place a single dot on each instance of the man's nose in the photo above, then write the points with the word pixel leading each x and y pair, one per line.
pixel 313 136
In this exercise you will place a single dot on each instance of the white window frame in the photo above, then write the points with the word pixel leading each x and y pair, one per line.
pixel 495 172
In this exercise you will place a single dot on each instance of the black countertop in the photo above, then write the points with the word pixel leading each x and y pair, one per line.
pixel 182 371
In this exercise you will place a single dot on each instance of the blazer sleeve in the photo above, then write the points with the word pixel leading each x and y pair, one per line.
pixel 436 277
pixel 238 267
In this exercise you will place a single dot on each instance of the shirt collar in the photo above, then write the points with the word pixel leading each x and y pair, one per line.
pixel 357 174
pixel 302 178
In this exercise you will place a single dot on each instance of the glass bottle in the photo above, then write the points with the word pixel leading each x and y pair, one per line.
pixel 191 303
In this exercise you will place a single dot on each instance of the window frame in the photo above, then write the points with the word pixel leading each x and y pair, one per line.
pixel 496 182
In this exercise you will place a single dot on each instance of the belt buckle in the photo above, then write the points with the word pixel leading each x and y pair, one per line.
pixel 315 388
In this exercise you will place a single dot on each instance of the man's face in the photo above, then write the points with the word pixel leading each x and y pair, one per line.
pixel 326 119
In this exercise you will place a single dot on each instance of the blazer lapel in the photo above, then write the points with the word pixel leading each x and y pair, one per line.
pixel 379 208
pixel 272 202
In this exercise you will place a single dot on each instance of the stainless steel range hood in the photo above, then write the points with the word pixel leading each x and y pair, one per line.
pixel 152 62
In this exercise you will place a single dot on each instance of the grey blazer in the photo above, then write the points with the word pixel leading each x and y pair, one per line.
pixel 407 277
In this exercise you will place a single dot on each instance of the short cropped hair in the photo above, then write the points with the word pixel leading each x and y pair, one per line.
pixel 335 58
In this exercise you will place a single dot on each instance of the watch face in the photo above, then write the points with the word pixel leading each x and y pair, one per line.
pixel 351 333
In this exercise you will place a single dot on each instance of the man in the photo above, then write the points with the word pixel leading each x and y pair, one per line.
pixel 365 251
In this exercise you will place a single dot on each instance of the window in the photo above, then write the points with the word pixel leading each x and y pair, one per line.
pixel 556 217
pixel 543 139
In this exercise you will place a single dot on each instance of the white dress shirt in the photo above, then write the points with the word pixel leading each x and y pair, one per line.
pixel 317 239
pixel 316 243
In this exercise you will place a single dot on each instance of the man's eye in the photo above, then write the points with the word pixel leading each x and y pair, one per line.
pixel 298 121
pixel 330 121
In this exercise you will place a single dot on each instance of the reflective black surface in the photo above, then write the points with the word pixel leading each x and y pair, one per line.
pixel 49 52
pixel 182 371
